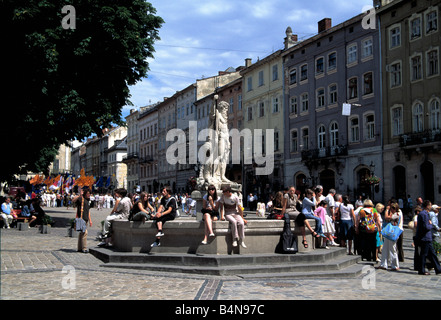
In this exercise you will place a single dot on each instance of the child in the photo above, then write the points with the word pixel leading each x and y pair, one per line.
pixel 327 226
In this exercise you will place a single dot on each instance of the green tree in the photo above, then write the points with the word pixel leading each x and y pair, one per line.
pixel 64 83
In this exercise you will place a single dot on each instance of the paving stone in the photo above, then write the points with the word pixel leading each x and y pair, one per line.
pixel 48 267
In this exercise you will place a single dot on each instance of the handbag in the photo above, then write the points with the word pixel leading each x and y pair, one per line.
pixel 391 232
pixel 80 224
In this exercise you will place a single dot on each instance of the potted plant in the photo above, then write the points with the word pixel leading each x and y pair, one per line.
pixel 46 224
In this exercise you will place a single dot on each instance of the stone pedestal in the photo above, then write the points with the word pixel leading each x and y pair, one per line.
pixel 185 236
pixel 23 226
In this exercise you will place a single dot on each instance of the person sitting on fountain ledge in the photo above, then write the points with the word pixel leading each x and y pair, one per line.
pixel 231 210
pixel 166 212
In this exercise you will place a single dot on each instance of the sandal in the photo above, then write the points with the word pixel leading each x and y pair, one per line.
pixel 305 244
pixel 315 235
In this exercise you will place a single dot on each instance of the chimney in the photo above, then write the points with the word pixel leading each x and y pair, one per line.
pixel 247 62
pixel 324 24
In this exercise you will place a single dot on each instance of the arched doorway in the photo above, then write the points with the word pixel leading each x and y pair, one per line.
pixel 300 185
pixel 327 180
pixel 400 182
pixel 428 181
pixel 363 188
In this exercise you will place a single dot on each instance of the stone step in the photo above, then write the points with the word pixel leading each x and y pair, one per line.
pixel 348 272
pixel 108 255
pixel 332 262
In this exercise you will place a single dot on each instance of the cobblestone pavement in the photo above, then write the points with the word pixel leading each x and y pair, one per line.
pixel 47 267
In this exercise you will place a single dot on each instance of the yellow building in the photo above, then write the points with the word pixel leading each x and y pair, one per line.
pixel 262 94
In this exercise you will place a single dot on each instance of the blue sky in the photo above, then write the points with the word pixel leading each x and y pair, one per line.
pixel 200 38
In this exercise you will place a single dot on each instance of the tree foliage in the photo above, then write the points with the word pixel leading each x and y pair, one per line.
pixel 64 84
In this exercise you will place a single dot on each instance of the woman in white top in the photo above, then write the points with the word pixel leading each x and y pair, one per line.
pixel 210 206
pixel 392 215
pixel 231 210
pixel 347 223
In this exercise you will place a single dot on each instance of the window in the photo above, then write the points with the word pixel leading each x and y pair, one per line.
pixel 275 72
pixel 321 137
pixel 353 88
pixel 319 66
pixel 333 130
pixel 239 102
pixel 332 61
pixel 276 140
pixel 293 105
pixel 305 102
pixel 250 83
pixel 231 105
pixel 370 127
pixel 432 21
pixel 261 78
pixel 432 63
pixel 397 120
pixel 368 48
pixel 294 141
pixel 293 76
pixel 275 104
pixel 304 72
pixel 352 54
pixel 368 87
pixel 395 74
pixel 332 94
pixel 418 117
pixel 415 28
pixel 354 130
pixel 305 138
pixel 250 113
pixel 261 109
pixel 435 114
pixel 416 68
pixel 320 93
pixel 395 37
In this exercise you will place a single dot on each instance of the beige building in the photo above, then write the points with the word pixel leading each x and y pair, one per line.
pixel 148 149
pixel 131 159
pixel 116 168
pixel 166 122
pixel 411 97
pixel 262 95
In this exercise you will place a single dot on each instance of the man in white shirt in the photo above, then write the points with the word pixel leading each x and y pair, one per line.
pixel 330 209
pixel 122 212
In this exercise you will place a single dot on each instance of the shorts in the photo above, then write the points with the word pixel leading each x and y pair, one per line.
pixel 346 230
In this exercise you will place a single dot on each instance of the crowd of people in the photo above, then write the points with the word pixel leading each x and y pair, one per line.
pixel 359 226
pixel 338 222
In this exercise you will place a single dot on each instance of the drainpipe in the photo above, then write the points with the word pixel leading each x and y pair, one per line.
pixel 381 107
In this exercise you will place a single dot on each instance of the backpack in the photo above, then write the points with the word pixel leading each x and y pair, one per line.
pixel 288 241
pixel 368 220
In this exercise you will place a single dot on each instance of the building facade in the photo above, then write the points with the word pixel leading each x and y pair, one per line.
pixel 262 94
pixel 132 157
pixel 148 149
pixel 410 41
pixel 340 65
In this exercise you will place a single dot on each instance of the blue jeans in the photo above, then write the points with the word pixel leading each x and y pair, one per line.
pixel 318 222
pixel 25 212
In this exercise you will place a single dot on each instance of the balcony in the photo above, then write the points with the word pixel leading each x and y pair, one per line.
pixel 147 159
pixel 130 156
pixel 420 138
pixel 323 153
